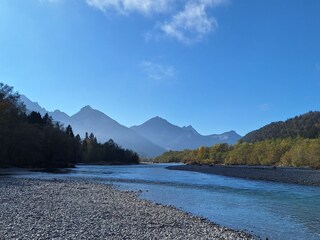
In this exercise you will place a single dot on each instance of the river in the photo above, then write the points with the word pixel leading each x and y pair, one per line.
pixel 266 209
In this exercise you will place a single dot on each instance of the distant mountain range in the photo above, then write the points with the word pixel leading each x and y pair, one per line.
pixel 104 128
pixel 172 137
pixel 149 139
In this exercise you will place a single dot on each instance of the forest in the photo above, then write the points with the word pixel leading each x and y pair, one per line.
pixel 35 141
pixel 305 126
pixel 294 152
pixel 294 142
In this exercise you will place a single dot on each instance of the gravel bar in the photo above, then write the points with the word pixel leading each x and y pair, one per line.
pixel 303 176
pixel 71 209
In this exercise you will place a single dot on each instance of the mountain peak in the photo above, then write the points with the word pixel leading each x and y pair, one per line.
pixel 190 129
pixel 89 112
pixel 86 108
pixel 58 112
pixel 157 120
pixel 32 106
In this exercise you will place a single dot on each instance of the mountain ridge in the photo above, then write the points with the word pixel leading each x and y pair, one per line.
pixel 305 125
pixel 102 126
pixel 167 137
pixel 173 137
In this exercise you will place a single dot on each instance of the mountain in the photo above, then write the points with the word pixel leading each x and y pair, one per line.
pixel 59 116
pixel 104 128
pixel 32 106
pixel 173 137
pixel 150 139
pixel 306 126
pixel 91 120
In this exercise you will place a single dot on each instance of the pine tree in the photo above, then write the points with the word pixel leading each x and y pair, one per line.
pixel 69 131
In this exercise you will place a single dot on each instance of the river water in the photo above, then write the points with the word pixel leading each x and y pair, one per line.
pixel 266 209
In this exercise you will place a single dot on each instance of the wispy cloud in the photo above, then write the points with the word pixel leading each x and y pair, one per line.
pixel 129 6
pixel 50 1
pixel 264 107
pixel 157 71
pixel 191 24
pixel 188 21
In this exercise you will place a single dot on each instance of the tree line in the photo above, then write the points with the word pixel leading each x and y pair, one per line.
pixel 294 142
pixel 295 152
pixel 32 140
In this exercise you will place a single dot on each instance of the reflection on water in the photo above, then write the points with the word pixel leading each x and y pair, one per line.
pixel 273 210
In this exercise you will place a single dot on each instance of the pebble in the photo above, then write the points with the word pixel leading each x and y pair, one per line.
pixel 70 209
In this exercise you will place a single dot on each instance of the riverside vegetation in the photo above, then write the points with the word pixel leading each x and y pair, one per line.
pixel 295 142
pixel 30 140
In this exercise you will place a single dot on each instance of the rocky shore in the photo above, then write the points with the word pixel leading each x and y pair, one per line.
pixel 56 209
pixel 276 174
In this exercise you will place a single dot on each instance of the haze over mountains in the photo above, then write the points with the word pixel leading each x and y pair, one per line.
pixel 172 137
pixel 104 128
pixel 149 139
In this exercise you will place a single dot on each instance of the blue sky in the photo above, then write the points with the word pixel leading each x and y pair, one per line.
pixel 214 64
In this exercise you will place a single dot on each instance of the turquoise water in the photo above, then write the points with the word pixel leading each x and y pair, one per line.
pixel 266 209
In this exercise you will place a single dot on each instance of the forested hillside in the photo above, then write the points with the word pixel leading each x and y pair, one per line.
pixel 295 142
pixel 36 141
pixel 305 126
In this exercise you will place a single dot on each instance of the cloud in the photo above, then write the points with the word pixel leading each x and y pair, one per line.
pixel 187 21
pixel 50 1
pixel 191 24
pixel 187 25
pixel 264 107
pixel 129 6
pixel 157 71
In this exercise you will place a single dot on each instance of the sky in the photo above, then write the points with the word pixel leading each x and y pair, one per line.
pixel 218 65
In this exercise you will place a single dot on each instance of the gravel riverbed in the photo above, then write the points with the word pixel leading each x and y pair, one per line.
pixel 70 209
pixel 276 174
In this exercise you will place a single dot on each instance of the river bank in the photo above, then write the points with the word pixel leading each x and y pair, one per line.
pixel 68 209
pixel 279 174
